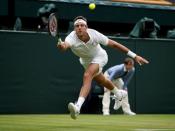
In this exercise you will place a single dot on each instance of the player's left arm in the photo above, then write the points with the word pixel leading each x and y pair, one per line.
pixel 116 45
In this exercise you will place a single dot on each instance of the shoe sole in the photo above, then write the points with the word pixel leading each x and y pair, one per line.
pixel 72 111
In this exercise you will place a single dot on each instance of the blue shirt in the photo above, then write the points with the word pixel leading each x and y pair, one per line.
pixel 118 71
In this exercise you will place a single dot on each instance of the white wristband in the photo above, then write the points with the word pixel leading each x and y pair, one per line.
pixel 131 54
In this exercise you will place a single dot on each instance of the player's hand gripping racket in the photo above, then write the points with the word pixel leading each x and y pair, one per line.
pixel 53 27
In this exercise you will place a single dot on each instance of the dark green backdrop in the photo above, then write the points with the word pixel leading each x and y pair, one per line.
pixel 117 10
pixel 37 78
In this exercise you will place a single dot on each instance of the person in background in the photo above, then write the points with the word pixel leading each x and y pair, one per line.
pixel 120 75
pixel 43 15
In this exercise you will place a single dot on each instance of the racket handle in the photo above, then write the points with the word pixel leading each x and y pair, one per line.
pixel 59 41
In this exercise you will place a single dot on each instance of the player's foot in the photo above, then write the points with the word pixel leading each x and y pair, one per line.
pixel 119 96
pixel 74 112
pixel 129 113
pixel 117 104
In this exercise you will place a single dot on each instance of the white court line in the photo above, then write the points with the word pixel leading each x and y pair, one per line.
pixel 154 129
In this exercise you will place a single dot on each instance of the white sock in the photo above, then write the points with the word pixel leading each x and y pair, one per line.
pixel 80 102
pixel 114 90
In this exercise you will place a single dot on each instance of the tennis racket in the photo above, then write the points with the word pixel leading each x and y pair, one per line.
pixel 53 27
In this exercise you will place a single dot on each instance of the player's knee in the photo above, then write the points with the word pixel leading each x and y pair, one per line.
pixel 87 75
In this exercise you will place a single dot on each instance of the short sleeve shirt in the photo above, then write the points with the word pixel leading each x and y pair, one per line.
pixel 90 49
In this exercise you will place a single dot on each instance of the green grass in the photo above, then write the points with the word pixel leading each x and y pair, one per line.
pixel 87 123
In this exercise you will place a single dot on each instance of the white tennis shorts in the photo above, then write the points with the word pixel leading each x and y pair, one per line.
pixel 100 60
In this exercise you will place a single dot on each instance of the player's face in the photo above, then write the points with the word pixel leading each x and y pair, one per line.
pixel 80 29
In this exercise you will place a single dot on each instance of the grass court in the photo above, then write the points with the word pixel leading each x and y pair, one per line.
pixel 63 122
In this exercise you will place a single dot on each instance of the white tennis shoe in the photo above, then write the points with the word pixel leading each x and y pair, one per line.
pixel 73 109
pixel 119 96
pixel 117 104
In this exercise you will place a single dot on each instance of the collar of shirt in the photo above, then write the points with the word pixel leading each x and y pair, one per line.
pixel 89 41
pixel 125 69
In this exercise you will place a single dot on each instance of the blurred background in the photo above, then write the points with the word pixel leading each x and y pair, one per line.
pixel 36 78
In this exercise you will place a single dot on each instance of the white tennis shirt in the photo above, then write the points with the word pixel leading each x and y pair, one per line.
pixel 90 52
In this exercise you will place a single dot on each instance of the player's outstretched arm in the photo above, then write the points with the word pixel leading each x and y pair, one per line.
pixel 140 60
pixel 63 46
pixel 116 45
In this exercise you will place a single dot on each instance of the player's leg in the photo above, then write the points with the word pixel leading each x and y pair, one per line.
pixel 105 82
pixel 89 73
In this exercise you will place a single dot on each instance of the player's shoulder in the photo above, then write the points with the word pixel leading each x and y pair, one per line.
pixel 93 31
pixel 71 33
pixel 96 34
pixel 70 38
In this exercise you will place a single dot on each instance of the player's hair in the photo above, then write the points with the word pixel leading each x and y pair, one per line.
pixel 128 60
pixel 80 17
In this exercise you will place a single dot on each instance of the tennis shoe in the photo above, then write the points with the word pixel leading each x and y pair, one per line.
pixel 119 96
pixel 118 104
pixel 73 109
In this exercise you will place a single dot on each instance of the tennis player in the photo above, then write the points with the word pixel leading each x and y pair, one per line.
pixel 85 43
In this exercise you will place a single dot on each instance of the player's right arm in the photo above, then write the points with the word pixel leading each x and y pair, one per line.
pixel 63 46
pixel 69 40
